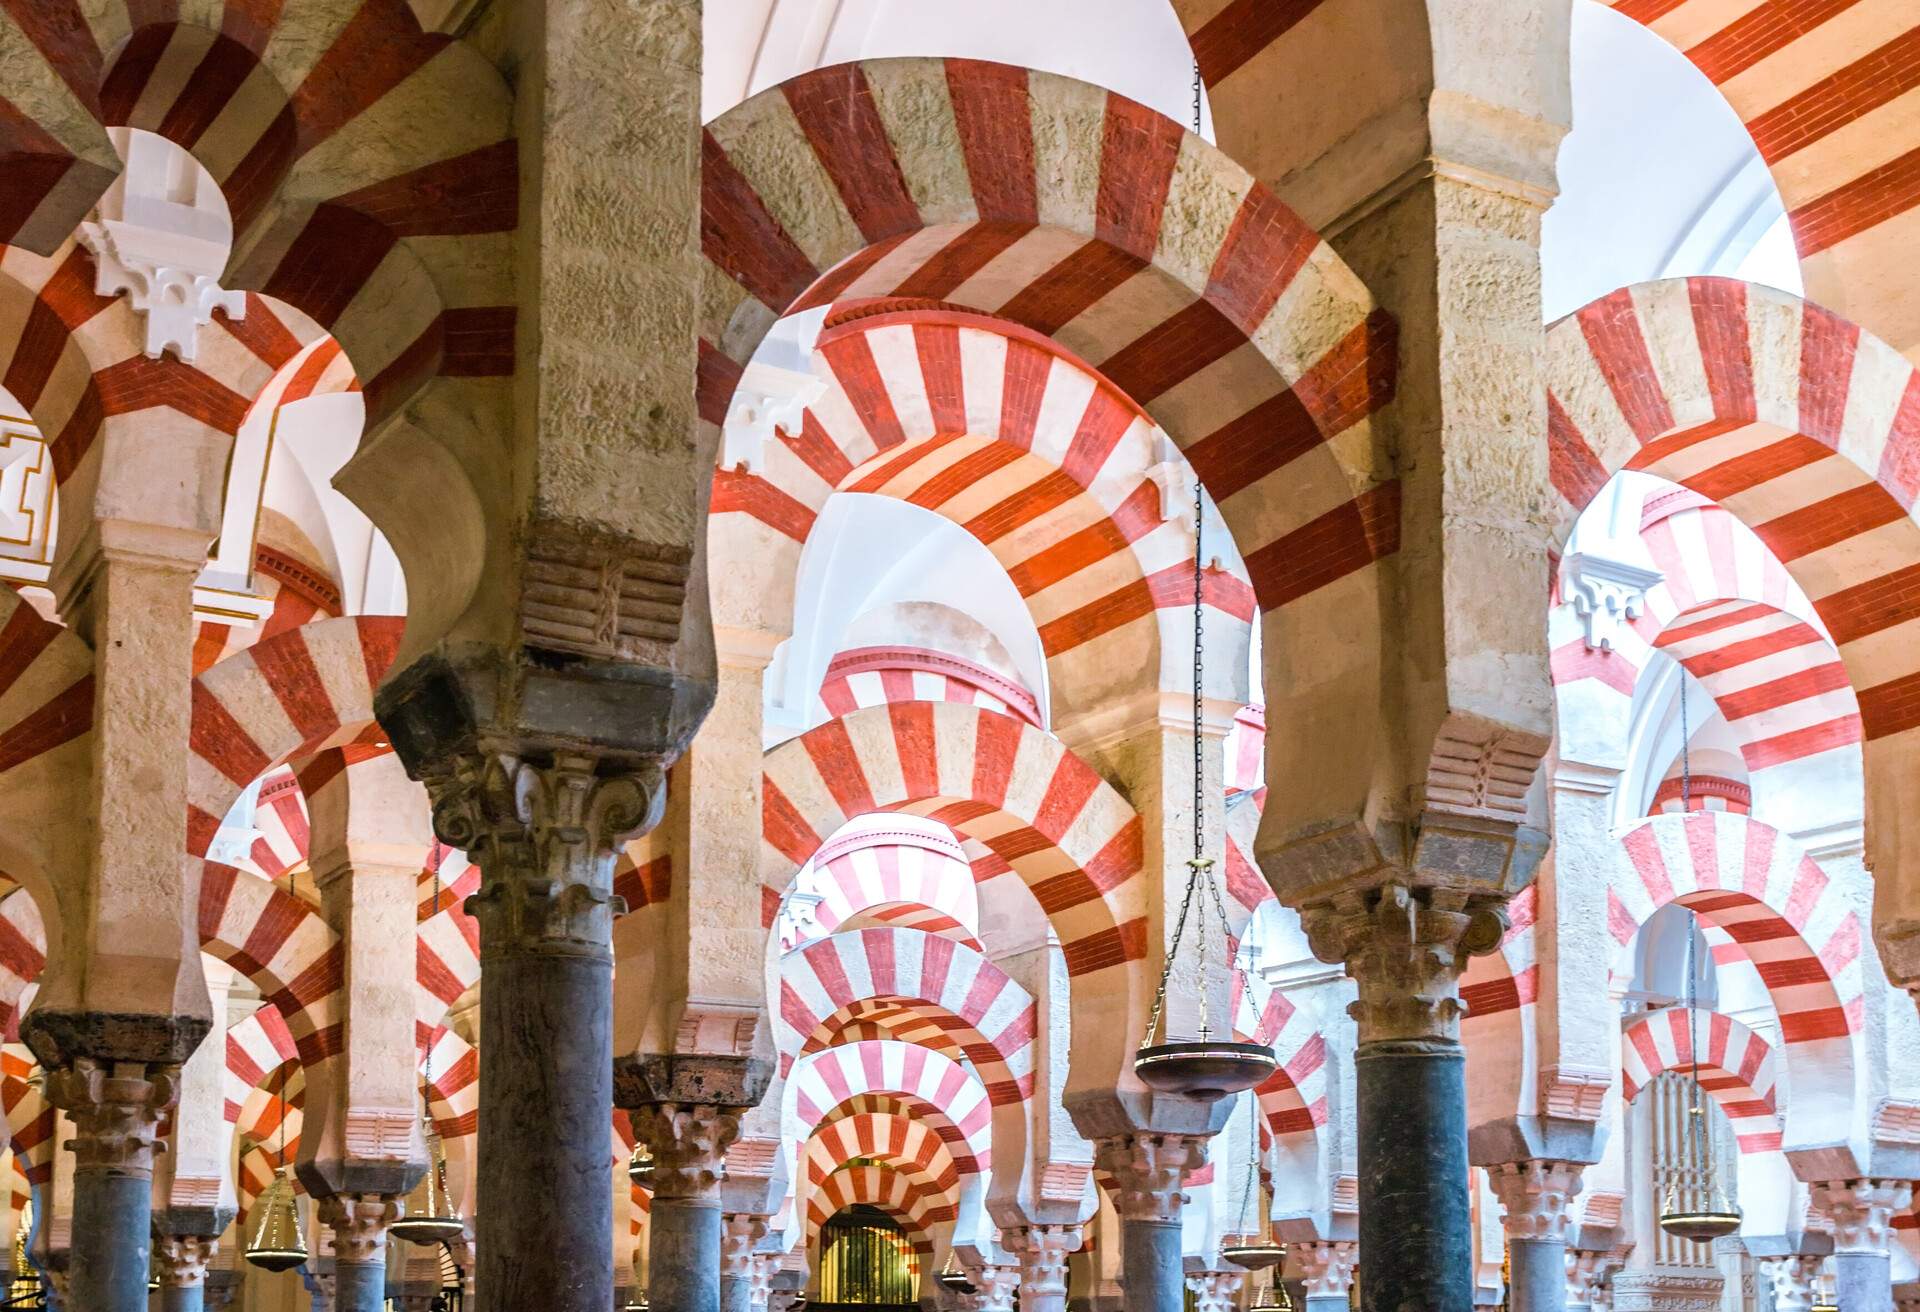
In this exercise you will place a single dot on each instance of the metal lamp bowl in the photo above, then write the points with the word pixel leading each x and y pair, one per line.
pixel 1700 1226
pixel 1254 1257
pixel 428 1229
pixel 276 1259
pixel 1204 1068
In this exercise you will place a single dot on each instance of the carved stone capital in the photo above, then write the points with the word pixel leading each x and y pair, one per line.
pixel 761 1269
pixel 688 1141
pixel 1326 1265
pixel 1042 1250
pixel 1587 1272
pixel 740 1233
pixel 994 1287
pixel 1406 948
pixel 545 837
pixel 1794 1279
pixel 181 1260
pixel 116 1112
pixel 359 1223
pixel 1861 1211
pixel 1149 1169
pixel 1215 1291
pixel 1534 1196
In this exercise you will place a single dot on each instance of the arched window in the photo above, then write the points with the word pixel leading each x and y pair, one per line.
pixel 867 1262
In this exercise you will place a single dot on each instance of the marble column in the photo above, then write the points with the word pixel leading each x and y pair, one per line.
pixel 1149 1169
pixel 545 836
pixel 685 1230
pixel 1326 1269
pixel 1042 1250
pixel 116 1112
pixel 1794 1279
pixel 180 1261
pixel 994 1287
pixel 1862 1213
pixel 740 1233
pixel 1534 1196
pixel 359 1224
pixel 761 1269
pixel 1406 948
pixel 1213 1291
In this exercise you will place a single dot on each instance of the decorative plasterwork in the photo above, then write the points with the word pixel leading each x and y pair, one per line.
pixel 1606 593
pixel 177 302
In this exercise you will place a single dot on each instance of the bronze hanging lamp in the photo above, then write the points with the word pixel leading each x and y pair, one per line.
pixel 278 1242
pixel 429 1216
pixel 1203 1066
pixel 640 1165
pixel 1257 1250
pixel 1708 1214
pixel 1276 1299
pixel 952 1277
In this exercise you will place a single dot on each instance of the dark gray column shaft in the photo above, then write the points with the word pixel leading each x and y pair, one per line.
pixel 1150 1266
pixel 683 1255
pixel 736 1293
pixel 1863 1282
pixel 112 1240
pixel 359 1286
pixel 1416 1227
pixel 183 1298
pixel 544 1228
pixel 1537 1278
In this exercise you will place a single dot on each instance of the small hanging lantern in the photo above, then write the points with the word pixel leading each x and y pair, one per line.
pixel 1276 1299
pixel 640 1166
pixel 1202 1067
pixel 1708 1214
pixel 1257 1250
pixel 429 1217
pixel 278 1243
pixel 952 1277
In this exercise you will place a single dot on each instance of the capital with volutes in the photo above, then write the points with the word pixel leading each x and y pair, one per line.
pixel 359 1223
pixel 1534 1196
pixel 1149 1170
pixel 116 1110
pixel 1861 1211
pixel 689 1142
pixel 1406 948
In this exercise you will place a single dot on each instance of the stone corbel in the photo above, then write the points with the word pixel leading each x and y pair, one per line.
pixel 176 301
pixel 1606 594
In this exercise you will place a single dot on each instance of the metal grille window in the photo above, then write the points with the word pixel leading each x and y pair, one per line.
pixel 1678 1171
pixel 866 1262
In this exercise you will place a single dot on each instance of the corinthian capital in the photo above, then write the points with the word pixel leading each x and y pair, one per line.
pixel 545 837
pixel 1861 1211
pixel 1149 1169
pixel 181 1260
pixel 116 1111
pixel 1326 1266
pixel 738 1237
pixel 1405 948
pixel 1042 1250
pixel 359 1223
pixel 688 1141
pixel 1215 1291
pixel 1534 1196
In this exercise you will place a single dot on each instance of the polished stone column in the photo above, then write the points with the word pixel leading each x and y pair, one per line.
pixel 545 836
pixel 1149 1169
pixel 359 1224
pixel 1862 1213
pixel 180 1262
pixel 740 1233
pixel 1794 1279
pixel 1214 1291
pixel 1042 1250
pixel 1534 1196
pixel 685 1229
pixel 1406 948
pixel 1326 1269
pixel 116 1112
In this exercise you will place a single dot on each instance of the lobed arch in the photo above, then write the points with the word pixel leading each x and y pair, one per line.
pixel 1752 884
pixel 1043 813
pixel 1805 427
pixel 1070 485
pixel 1146 253
pixel 1736 1067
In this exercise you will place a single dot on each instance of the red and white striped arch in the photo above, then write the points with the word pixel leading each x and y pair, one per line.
pixel 30 1117
pixel 822 1083
pixel 1827 90
pixel 257 1046
pixel 933 976
pixel 447 954
pixel 1793 419
pixel 909 1146
pixel 23 955
pixel 453 1098
pixel 880 865
pixel 46 719
pixel 1135 245
pixel 890 1018
pixel 905 1194
pixel 1735 1065
pixel 1046 463
pixel 874 676
pixel 915 916
pixel 1758 896
pixel 921 1112
pixel 283 946
pixel 1043 812
pixel 368 164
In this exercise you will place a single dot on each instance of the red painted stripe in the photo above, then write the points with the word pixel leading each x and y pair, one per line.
pixel 858 373
pixel 1241 30
pixel 880 472
pixel 1577 473
pixel 962 475
pixel 1748 470
pixel 59 30
pixel 1775 693
pixel 995 123
pixel 735 492
pixel 477 192
pixel 1899 469
pixel 996 746
pixel 740 235
pixel 1643 850
pixel 1850 209
pixel 222 69
pixel 1838 99
pixel 836 110
pixel 55 722
pixel 1827 345
pixel 263 333
pixel 1264 248
pixel 1575 660
pixel 138 383
pixel 1873 606
pixel 782 825
pixel 325 267
pixel 1891 707
pixel 970 251
pixel 1732 655
pixel 1768 27
pixel 1032 502
pixel 938 349
pixel 1720 326
pixel 1831 520
pixel 1138 150
pixel 1172 351
pixel 377 49
pixel 831 750
pixel 1611 326
pixel 1327 549
pixel 1071 287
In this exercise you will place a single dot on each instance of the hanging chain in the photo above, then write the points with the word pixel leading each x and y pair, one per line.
pixel 1253 1160
pixel 1196 97
pixel 1686 761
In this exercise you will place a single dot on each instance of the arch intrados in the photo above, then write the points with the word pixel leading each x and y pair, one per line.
pixel 871 1185
pixel 967 1156
pixel 875 1135
pixel 1747 1093
pixel 892 1069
